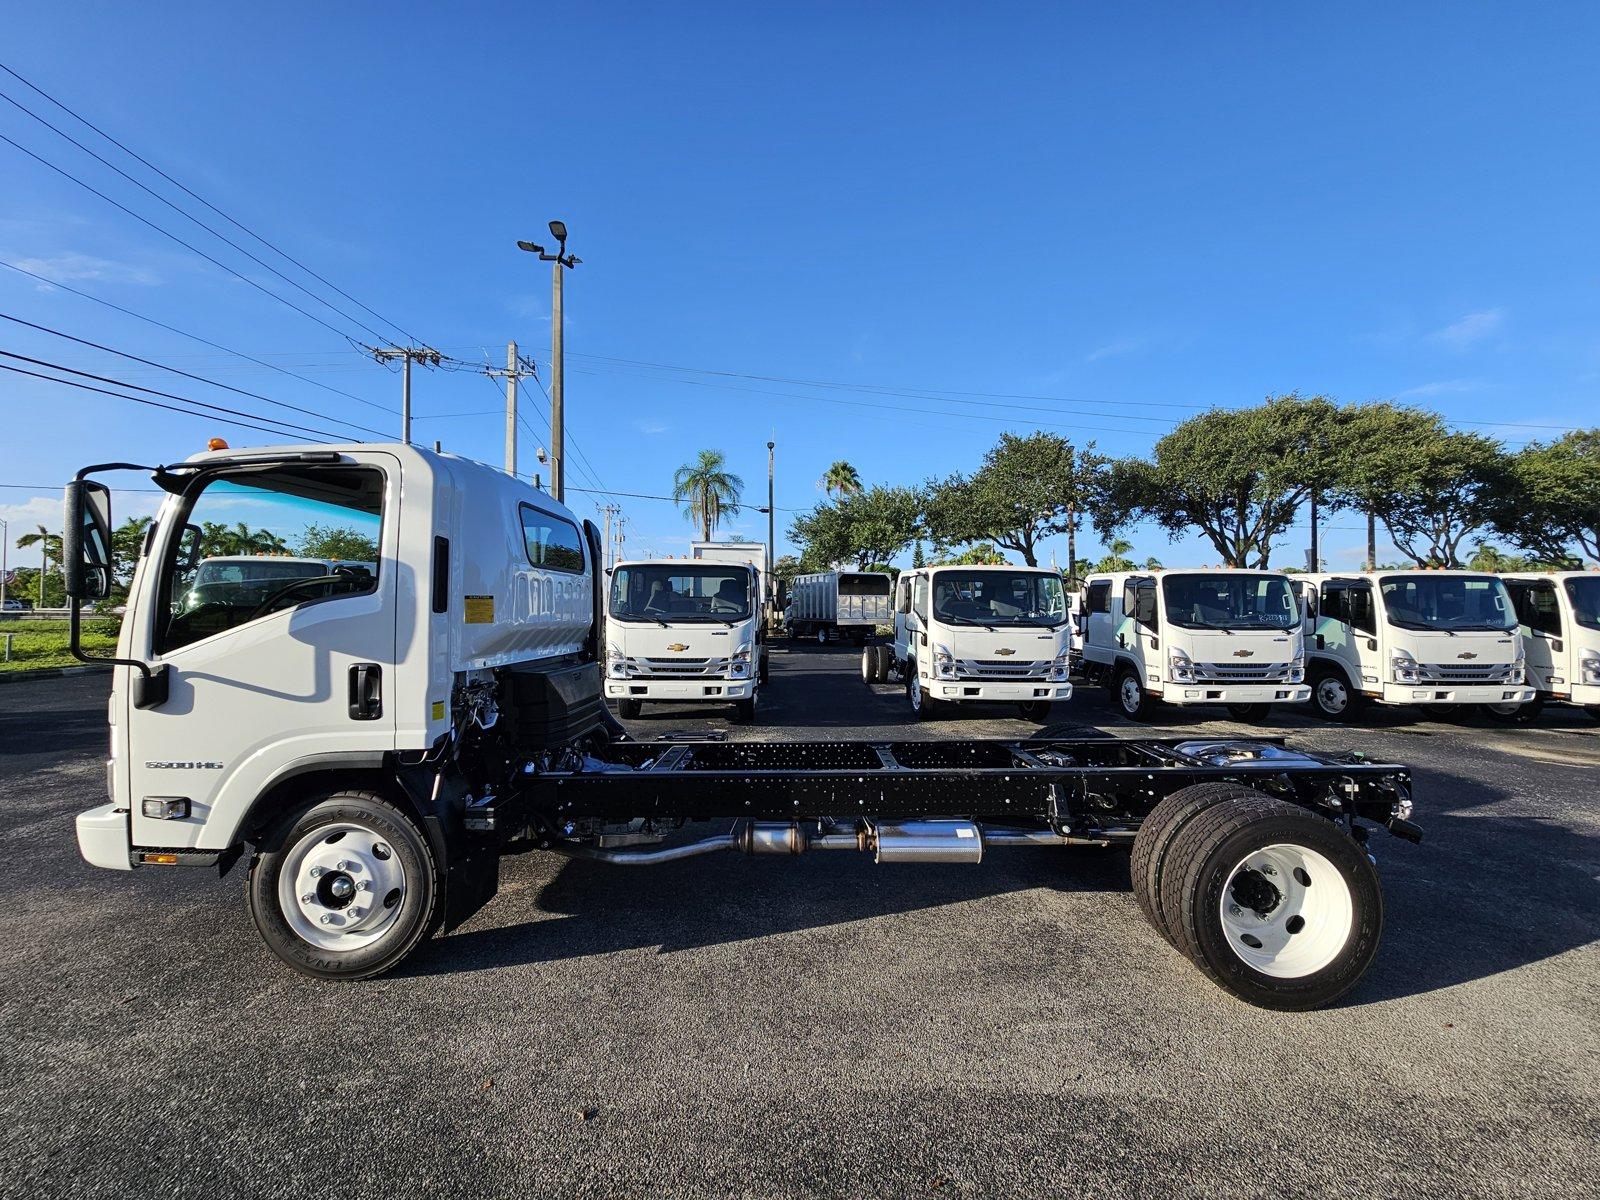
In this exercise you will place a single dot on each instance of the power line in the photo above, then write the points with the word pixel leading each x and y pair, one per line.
pixel 55 283
pixel 188 412
pixel 191 193
pixel 185 374
pixel 186 245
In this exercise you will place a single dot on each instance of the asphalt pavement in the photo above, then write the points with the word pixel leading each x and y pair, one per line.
pixel 726 1026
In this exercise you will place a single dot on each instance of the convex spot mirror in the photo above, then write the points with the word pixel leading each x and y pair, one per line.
pixel 86 540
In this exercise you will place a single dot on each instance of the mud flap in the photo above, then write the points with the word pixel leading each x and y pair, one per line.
pixel 471 860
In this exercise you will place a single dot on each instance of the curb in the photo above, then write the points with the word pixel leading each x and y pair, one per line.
pixel 48 673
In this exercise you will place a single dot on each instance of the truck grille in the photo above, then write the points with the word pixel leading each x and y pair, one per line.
pixel 1456 673
pixel 680 668
pixel 999 668
pixel 1240 673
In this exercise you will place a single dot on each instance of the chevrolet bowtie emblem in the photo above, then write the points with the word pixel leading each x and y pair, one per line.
pixel 1005 652
pixel 1244 653
pixel 677 647
pixel 1467 654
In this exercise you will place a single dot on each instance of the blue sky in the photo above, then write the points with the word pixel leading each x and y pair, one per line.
pixel 1130 213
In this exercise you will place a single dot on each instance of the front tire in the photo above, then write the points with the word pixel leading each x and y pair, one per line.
pixel 744 711
pixel 1128 696
pixel 1514 714
pixel 629 709
pixel 1332 697
pixel 1251 714
pixel 822 636
pixel 1277 905
pixel 1036 711
pixel 923 706
pixel 344 887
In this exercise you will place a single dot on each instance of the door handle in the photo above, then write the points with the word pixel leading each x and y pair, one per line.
pixel 1322 642
pixel 1122 640
pixel 366 692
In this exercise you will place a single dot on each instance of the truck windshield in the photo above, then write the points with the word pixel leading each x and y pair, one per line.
pixel 681 592
pixel 999 598
pixel 1230 601
pixel 1447 602
pixel 1585 596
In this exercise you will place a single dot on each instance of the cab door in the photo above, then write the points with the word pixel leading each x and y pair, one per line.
pixel 1346 631
pixel 1538 610
pixel 273 611
pixel 902 617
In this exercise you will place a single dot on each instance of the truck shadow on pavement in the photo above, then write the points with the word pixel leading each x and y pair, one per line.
pixel 726 898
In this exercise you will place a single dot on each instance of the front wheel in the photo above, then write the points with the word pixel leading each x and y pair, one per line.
pixel 344 888
pixel 869 665
pixel 1593 710
pixel 1249 713
pixel 1332 697
pixel 744 711
pixel 1515 714
pixel 764 674
pixel 629 709
pixel 822 636
pixel 1036 711
pixel 1276 904
pixel 923 706
pixel 1129 697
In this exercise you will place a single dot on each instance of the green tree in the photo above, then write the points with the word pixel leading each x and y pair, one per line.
pixel 841 479
pixel 1239 476
pixel 49 552
pixel 1116 557
pixel 1027 489
pixel 983 554
pixel 918 559
pixel 1430 486
pixel 706 488
pixel 335 542
pixel 871 527
pixel 1548 500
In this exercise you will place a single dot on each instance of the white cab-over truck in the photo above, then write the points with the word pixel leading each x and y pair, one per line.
pixel 685 631
pixel 372 744
pixel 1435 639
pixel 839 604
pixel 970 634
pixel 1187 637
pixel 1558 616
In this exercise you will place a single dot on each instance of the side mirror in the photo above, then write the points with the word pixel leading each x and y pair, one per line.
pixel 1144 607
pixel 189 549
pixel 86 541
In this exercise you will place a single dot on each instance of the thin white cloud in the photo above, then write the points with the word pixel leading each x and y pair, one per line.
pixel 1441 387
pixel 650 428
pixel 1114 349
pixel 1471 329
pixel 71 267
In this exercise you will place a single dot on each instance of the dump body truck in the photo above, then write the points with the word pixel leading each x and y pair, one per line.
pixel 1435 639
pixel 839 604
pixel 371 749
pixel 1193 637
pixel 1558 618
pixel 685 631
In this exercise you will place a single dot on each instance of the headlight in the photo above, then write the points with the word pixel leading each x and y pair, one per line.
pixel 1518 673
pixel 739 666
pixel 944 663
pixel 1182 667
pixel 1405 667
pixel 1589 668
pixel 1297 672
pixel 1058 669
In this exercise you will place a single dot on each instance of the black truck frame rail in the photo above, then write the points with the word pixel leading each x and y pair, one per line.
pixel 1090 790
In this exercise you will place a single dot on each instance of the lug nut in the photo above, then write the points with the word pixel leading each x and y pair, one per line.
pixel 1234 909
pixel 365 885
pixel 308 898
pixel 318 872
pixel 327 918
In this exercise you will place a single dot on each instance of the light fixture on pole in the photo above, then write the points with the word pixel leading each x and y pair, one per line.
pixel 561 260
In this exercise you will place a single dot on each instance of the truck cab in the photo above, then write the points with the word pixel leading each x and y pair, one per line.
pixel 685 631
pixel 1558 618
pixel 1437 639
pixel 1189 637
pixel 965 634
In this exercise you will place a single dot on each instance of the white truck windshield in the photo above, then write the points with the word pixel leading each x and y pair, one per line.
pixel 681 592
pixel 1585 596
pixel 1217 601
pixel 999 598
pixel 1448 602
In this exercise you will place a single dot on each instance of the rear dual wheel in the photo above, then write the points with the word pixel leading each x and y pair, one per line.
pixel 875 663
pixel 1276 904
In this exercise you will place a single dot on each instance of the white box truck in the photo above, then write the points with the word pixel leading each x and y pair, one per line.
pixel 1435 639
pixel 1190 637
pixel 1558 616
pixel 839 604
pixel 970 634
pixel 685 631
pixel 370 749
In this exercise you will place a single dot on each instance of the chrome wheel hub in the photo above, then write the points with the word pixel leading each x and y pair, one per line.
pixel 341 886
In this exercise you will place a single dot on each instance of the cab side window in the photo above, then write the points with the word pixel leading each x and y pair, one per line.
pixel 1099 598
pixel 1538 609
pixel 552 542
pixel 1362 615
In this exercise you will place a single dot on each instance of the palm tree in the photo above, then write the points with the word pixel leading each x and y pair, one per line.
pixel 705 488
pixel 49 547
pixel 842 479
pixel 1117 559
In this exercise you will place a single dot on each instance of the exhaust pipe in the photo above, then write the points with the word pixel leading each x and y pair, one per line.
pixel 903 842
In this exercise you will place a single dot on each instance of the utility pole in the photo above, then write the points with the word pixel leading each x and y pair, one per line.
pixel 516 369
pixel 5 568
pixel 558 442
pixel 772 545
pixel 407 355
pixel 613 532
pixel 1372 541
pixel 1313 561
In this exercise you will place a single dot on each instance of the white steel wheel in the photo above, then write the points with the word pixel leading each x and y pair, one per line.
pixel 822 637
pixel 869 664
pixel 1331 694
pixel 1287 911
pixel 340 887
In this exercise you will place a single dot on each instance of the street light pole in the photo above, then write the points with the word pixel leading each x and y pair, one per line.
pixel 772 546
pixel 5 568
pixel 561 260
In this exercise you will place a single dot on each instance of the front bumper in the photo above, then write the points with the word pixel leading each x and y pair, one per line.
pixel 103 837
pixel 1020 691
pixel 680 689
pixel 1235 693
pixel 1455 693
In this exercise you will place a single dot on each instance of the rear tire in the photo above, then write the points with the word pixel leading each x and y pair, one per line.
pixel 1593 710
pixel 1037 711
pixel 1442 712
pixel 1156 834
pixel 765 673
pixel 1128 696
pixel 1332 697
pixel 869 665
pixel 1514 714
pixel 883 658
pixel 344 887
pixel 822 636
pixel 629 709
pixel 1277 905
pixel 1249 713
